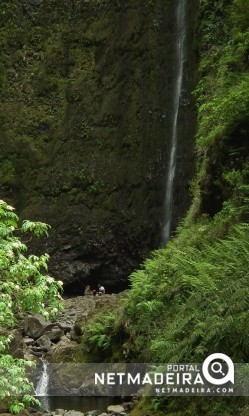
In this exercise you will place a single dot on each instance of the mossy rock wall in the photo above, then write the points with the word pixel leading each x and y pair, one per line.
pixel 85 127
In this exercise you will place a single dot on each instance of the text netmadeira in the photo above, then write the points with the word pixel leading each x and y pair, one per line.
pixel 173 378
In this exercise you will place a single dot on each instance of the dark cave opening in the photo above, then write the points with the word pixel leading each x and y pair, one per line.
pixel 77 287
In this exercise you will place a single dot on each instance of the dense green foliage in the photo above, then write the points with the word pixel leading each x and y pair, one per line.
pixel 102 334
pixel 222 96
pixel 202 293
pixel 223 91
pixel 24 286
pixel 98 334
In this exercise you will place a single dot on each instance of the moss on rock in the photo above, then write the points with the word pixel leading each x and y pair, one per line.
pixel 86 99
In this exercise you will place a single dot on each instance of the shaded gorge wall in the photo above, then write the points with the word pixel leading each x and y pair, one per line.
pixel 85 119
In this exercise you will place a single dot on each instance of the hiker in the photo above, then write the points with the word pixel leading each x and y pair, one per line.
pixel 88 291
pixel 101 290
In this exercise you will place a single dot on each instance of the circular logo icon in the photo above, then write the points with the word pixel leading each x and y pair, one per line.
pixel 217 368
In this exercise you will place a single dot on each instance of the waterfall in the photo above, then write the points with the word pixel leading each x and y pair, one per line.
pixel 179 59
pixel 42 386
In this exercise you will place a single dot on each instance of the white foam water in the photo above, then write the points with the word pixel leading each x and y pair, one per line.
pixel 180 56
pixel 42 386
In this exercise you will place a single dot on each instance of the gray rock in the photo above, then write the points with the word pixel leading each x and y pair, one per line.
pixel 127 405
pixel 44 343
pixel 37 349
pixel 38 354
pixel 74 336
pixel 94 413
pixel 17 346
pixel 135 397
pixel 28 341
pixel 54 334
pixel 65 326
pixel 59 412
pixel 34 326
pixel 64 351
pixel 116 409
pixel 29 356
pixel 72 313
pixel 73 413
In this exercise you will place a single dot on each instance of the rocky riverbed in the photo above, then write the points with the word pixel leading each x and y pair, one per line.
pixel 59 341
pixel 112 410
pixel 121 410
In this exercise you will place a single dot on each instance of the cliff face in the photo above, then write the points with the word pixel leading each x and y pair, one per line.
pixel 85 128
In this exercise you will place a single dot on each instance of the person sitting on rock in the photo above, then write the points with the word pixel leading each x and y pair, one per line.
pixel 88 291
pixel 101 290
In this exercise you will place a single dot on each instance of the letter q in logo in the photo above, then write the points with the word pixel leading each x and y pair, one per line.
pixel 217 368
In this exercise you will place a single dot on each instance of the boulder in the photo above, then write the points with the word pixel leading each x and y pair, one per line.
pixel 38 354
pixel 81 306
pixel 16 346
pixel 65 326
pixel 73 413
pixel 34 326
pixel 28 341
pixel 128 406
pixel 59 412
pixel 54 334
pixel 44 343
pixel 116 409
pixel 74 336
pixel 65 351
pixel 30 356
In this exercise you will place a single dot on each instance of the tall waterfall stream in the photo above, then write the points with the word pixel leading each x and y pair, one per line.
pixel 179 61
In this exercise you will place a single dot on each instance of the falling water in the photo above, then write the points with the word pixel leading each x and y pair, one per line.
pixel 180 55
pixel 42 386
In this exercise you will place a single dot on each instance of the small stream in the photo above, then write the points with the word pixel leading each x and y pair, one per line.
pixel 82 404
pixel 42 386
